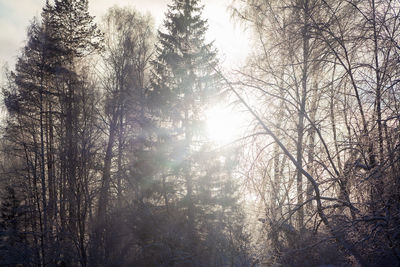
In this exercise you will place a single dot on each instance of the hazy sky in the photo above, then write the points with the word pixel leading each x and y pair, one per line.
pixel 15 16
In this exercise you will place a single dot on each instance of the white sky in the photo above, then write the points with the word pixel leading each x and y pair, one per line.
pixel 230 39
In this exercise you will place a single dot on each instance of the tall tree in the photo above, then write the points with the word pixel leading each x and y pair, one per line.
pixel 183 79
pixel 51 123
pixel 184 82
pixel 76 37
pixel 126 59
pixel 341 165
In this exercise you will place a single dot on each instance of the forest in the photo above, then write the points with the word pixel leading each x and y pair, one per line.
pixel 107 154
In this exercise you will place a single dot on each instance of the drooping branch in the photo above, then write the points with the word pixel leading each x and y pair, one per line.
pixel 320 210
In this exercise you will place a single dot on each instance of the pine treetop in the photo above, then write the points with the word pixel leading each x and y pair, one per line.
pixel 71 22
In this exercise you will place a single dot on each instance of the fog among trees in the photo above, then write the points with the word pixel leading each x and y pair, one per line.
pixel 112 153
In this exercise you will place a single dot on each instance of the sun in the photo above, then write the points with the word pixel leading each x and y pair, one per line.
pixel 224 124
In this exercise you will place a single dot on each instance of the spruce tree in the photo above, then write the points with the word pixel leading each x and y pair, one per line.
pixel 195 181
pixel 183 77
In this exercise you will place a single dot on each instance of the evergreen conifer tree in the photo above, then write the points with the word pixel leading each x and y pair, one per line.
pixel 195 180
